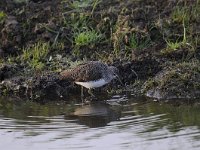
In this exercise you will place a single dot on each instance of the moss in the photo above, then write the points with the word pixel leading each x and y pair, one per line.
pixel 181 80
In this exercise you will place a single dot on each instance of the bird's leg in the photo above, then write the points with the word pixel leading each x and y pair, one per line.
pixel 82 95
pixel 90 92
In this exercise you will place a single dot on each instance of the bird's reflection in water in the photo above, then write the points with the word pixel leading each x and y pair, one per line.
pixel 95 114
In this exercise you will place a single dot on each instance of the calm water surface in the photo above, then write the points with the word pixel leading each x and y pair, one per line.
pixel 119 124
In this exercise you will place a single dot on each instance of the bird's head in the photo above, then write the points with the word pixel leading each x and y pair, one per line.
pixel 114 71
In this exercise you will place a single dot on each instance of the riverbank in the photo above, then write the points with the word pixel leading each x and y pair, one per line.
pixel 154 44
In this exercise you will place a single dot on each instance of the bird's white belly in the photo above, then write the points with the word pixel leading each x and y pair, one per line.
pixel 93 84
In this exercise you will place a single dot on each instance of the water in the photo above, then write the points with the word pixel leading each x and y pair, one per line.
pixel 119 124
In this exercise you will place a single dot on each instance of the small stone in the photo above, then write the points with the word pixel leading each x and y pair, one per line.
pixel 11 20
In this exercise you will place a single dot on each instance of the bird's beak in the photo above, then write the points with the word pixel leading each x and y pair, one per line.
pixel 119 79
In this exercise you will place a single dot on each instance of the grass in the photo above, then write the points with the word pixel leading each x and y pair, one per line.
pixel 181 14
pixel 125 38
pixel 58 45
pixel 178 45
pixel 120 31
pixel 184 43
pixel 80 6
pixel 126 30
pixel 186 13
pixel 181 29
pixel 195 13
pixel 36 55
pixel 81 22
pixel 87 37
pixel 135 43
pixel 173 45
pixel 78 17
pixel 2 16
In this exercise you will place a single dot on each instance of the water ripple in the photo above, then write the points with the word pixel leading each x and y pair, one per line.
pixel 117 126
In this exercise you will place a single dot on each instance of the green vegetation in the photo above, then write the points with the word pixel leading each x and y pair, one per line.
pixel 116 32
pixel 121 29
pixel 2 16
pixel 36 55
pixel 195 11
pixel 180 44
pixel 86 38
pixel 124 29
pixel 81 4
pixel 173 45
pixel 181 79
pixel 137 44
pixel 83 31
pixel 58 45
pixel 181 14
pixel 134 42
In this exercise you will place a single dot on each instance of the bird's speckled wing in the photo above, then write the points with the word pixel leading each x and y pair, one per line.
pixel 85 72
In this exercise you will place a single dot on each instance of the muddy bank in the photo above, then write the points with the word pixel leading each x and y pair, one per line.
pixel 50 86
pixel 178 81
pixel 154 44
